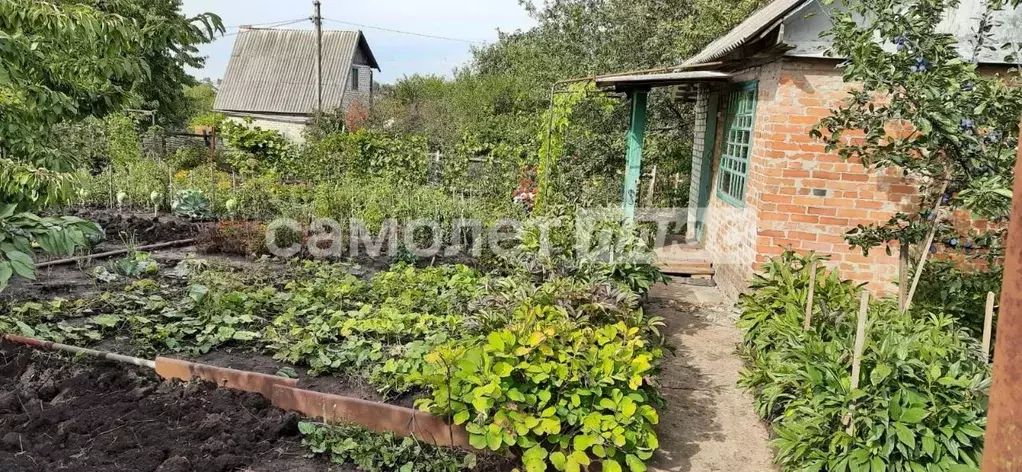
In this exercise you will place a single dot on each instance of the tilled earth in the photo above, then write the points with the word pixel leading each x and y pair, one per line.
pixel 57 413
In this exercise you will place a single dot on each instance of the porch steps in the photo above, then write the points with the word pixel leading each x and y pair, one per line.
pixel 686 260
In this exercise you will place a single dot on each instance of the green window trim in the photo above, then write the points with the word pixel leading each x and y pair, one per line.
pixel 739 131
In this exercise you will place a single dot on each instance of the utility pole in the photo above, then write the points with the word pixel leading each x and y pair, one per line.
pixel 318 21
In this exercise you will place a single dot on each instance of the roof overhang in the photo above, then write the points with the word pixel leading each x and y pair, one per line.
pixel 623 83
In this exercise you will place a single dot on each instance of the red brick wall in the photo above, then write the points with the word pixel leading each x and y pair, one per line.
pixel 788 172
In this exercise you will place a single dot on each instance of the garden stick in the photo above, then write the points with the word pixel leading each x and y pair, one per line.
pixel 988 326
pixel 118 252
pixel 860 342
pixel 926 248
pixel 904 261
pixel 652 188
pixel 36 343
pixel 809 299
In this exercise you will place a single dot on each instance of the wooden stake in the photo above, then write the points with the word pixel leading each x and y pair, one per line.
pixel 652 187
pixel 904 261
pixel 988 325
pixel 809 300
pixel 860 343
pixel 926 248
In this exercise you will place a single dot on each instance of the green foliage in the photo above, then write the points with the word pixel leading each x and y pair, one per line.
pixel 567 393
pixel 946 288
pixel 53 235
pixel 270 147
pixel 191 203
pixel 170 42
pixel 124 144
pixel 374 452
pixel 200 98
pixel 925 110
pixel 32 188
pixel 365 154
pixel 60 62
pixel 921 403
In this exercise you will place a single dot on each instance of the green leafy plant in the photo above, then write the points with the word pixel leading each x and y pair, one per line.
pixel 19 232
pixel 191 203
pixel 374 452
pixel 566 393
pixel 921 402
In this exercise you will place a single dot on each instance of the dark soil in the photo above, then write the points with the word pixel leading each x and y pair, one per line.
pixel 139 228
pixel 59 414
pixel 246 359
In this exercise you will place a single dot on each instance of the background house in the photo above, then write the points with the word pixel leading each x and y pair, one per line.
pixel 759 181
pixel 271 77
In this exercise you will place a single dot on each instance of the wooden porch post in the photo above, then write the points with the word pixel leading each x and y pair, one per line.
pixel 636 136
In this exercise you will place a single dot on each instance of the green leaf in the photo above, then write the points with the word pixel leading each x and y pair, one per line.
pixel 502 369
pixel 6 271
pixel 558 459
pixel 307 428
pixel 905 435
pixel 22 264
pixel 477 441
pixel 913 415
pixel 461 417
pixel 107 321
pixel 611 465
pixel 245 335
pixel 634 464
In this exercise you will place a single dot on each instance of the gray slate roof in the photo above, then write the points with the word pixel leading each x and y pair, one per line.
pixel 274 70
pixel 802 31
pixel 753 26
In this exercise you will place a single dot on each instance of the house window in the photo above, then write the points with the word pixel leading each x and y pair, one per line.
pixel 354 78
pixel 734 161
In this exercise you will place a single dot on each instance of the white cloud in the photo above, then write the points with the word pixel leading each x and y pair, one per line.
pixel 398 54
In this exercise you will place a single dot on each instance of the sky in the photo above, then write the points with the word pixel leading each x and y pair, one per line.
pixel 398 54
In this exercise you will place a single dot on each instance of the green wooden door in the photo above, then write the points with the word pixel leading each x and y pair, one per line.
pixel 706 168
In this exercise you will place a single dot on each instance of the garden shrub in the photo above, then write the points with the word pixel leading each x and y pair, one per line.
pixel 566 393
pixel 270 147
pixel 921 403
pixel 402 159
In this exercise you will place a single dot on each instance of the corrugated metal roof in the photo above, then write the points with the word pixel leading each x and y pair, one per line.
pixel 750 28
pixel 274 71
pixel 661 80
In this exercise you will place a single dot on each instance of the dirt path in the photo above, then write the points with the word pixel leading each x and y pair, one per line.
pixel 709 424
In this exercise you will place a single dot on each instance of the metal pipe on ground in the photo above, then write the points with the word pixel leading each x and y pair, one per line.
pixel 103 255
pixel 50 345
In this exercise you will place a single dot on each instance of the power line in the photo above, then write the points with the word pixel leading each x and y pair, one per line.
pixel 269 24
pixel 288 23
pixel 390 30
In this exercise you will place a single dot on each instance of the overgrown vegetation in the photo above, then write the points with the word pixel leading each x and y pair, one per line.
pixel 558 365
pixel 921 400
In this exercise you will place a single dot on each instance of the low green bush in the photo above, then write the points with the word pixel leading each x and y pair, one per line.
pixel 921 402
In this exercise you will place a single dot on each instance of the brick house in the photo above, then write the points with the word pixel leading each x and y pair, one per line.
pixel 759 182
pixel 271 77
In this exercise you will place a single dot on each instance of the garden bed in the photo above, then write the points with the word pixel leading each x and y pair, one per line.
pixel 57 413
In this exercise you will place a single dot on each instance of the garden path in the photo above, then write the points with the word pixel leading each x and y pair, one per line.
pixel 709 424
